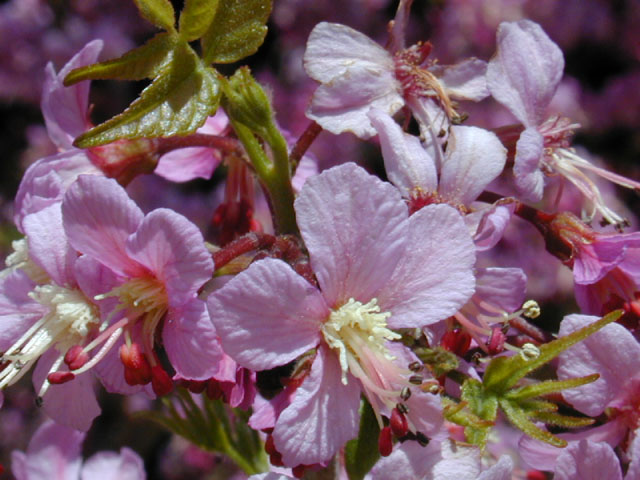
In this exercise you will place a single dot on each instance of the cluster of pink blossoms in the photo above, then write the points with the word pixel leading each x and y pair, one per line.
pixel 346 312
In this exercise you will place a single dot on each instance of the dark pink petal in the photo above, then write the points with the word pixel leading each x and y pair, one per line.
pixel 354 227
pixel 526 169
pixel 502 287
pixel 112 466
pixel 465 80
pixel 54 453
pixel 322 417
pixel 588 461
pixel 525 71
pixel 475 157
pixel 191 341
pixel 65 109
pixel 99 217
pixel 48 245
pixel 267 315
pixel 173 249
pixel 110 371
pixel 73 403
pixel 612 352
pixel 407 163
pixel 434 278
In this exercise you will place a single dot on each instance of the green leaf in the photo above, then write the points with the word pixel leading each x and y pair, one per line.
pixel 520 420
pixel 147 61
pixel 196 18
pixel 549 386
pixel 238 29
pixel 362 453
pixel 502 373
pixel 158 12
pixel 176 103
pixel 562 420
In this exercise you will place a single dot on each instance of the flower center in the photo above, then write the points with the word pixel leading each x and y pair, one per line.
pixel 69 321
pixel 19 259
pixel 358 332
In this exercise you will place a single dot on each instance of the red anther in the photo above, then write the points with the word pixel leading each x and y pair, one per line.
pixel 536 475
pixel 76 357
pixel 276 460
pixel 456 341
pixel 57 378
pixel 137 370
pixel 270 446
pixel 161 381
pixel 196 386
pixel 214 391
pixel 385 442
pixel 496 341
pixel 398 423
pixel 298 471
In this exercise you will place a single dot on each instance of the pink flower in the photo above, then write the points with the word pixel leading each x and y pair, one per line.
pixel 523 76
pixel 357 74
pixel 54 453
pixel 377 270
pixel 155 266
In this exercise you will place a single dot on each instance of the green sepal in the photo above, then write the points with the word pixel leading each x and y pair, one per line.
pixel 147 61
pixel 238 29
pixel 245 101
pixel 158 12
pixel 196 18
pixel 566 421
pixel 520 420
pixel 483 404
pixel 531 406
pixel 177 102
pixel 361 453
pixel 503 373
pixel 549 386
pixel 439 360
pixel 458 413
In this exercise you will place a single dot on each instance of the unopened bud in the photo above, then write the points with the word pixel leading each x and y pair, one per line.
pixel 385 442
pixel 161 381
pixel 246 101
pixel 398 423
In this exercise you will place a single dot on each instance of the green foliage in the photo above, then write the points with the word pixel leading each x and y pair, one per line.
pixel 439 360
pixel 196 18
pixel 362 453
pixel 238 29
pixel 158 12
pixel 499 390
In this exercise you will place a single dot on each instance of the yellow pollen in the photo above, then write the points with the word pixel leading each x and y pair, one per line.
pixel 356 330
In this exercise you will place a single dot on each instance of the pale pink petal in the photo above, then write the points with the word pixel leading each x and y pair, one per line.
pixel 502 287
pixel 98 217
pixel 65 109
pixel 53 454
pixel 342 105
pixel 526 169
pixel 459 462
pixel 612 352
pixel 491 227
pixel 270 476
pixel 526 70
pixel 633 472
pixel 500 471
pixel 267 315
pixel 465 80
pixel 334 49
pixel 322 417
pixel 112 466
pixel 354 227
pixel 434 278
pixel 307 167
pixel 173 249
pixel 407 163
pixel 73 403
pixel 18 311
pixel 191 342
pixel 48 245
pixel 187 164
pixel 594 260
pixel 407 460
pixel 588 461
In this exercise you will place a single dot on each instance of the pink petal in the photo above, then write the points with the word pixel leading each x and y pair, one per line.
pixel 407 460
pixel 110 370
pixel 526 70
pixel 187 164
pixel 464 80
pixel 173 249
pixel 18 311
pixel 334 49
pixel 322 417
pixel 112 466
pixel 407 163
pixel 588 461
pixel 98 217
pixel 267 315
pixel 492 226
pixel 354 227
pixel 475 157
pixel 48 245
pixel 73 403
pixel 634 454
pixel 612 352
pixel 434 278
pixel 526 169
pixel 54 453
pixel 191 342
pixel 594 260
pixel 502 287
pixel 500 471
pixel 459 462
pixel 65 109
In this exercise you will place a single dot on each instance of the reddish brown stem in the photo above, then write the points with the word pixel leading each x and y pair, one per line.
pixel 247 243
pixel 303 143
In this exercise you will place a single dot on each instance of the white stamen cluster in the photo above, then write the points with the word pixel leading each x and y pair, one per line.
pixel 19 259
pixel 355 328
